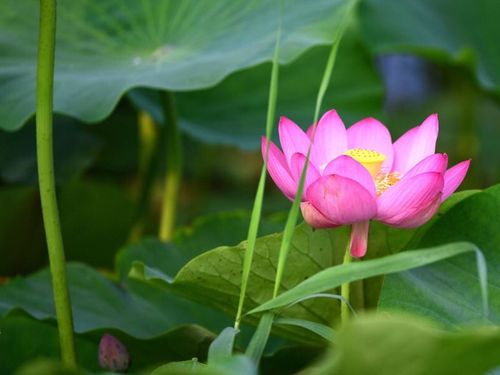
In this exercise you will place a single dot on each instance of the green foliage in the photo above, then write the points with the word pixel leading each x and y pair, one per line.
pixel 335 276
pixel 237 364
pixel 74 151
pixel 461 31
pixel 106 48
pixel 24 339
pixel 448 291
pixel 233 111
pixel 320 329
pixel 94 231
pixel 17 207
pixel 112 307
pixel 214 277
pixel 386 345
pixel 222 347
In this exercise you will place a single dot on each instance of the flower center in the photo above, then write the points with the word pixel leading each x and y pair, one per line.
pixel 371 160
pixel 385 180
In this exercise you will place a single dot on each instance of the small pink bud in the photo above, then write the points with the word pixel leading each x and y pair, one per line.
pixel 113 355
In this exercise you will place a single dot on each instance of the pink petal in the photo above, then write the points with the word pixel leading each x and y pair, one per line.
pixel 415 145
pixel 278 169
pixel 310 131
pixel 315 218
pixel 408 196
pixel 419 216
pixel 346 166
pixel 341 200
pixel 292 138
pixel 330 139
pixel 297 165
pixel 433 163
pixel 359 239
pixel 453 177
pixel 371 134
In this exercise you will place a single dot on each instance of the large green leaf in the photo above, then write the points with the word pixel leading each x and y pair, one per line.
pixel 448 291
pixel 131 308
pixel 139 310
pixel 233 111
pixel 458 30
pixel 104 48
pixel 24 339
pixel 228 228
pixel 345 273
pixel 387 345
pixel 214 277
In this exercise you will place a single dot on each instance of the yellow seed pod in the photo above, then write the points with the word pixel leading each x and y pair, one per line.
pixel 371 160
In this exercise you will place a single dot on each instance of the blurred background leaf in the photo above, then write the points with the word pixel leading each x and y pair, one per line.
pixel 404 344
pixel 461 32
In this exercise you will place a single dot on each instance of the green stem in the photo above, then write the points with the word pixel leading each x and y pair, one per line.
pixel 44 97
pixel 173 170
pixel 345 289
pixel 150 141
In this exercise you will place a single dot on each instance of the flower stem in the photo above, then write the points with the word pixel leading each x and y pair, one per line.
pixel 44 98
pixel 173 170
pixel 345 288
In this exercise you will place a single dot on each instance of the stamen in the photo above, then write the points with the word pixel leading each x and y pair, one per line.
pixel 385 180
pixel 371 160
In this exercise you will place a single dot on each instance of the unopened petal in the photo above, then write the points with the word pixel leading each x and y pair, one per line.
pixel 346 166
pixel 453 177
pixel 278 169
pixel 341 200
pixel 408 196
pixel 371 134
pixel 415 145
pixel 292 138
pixel 315 218
pixel 330 139
pixel 359 239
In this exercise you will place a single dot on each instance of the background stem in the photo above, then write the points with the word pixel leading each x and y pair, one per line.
pixel 345 289
pixel 45 83
pixel 173 170
pixel 150 145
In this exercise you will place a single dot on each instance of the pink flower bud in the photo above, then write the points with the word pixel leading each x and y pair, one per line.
pixel 113 355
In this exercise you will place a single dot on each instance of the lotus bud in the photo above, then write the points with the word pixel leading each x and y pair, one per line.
pixel 113 355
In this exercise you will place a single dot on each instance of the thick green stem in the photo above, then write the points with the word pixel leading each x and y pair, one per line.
pixel 345 289
pixel 173 170
pixel 44 95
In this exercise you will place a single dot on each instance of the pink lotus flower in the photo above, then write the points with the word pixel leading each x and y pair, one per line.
pixel 358 174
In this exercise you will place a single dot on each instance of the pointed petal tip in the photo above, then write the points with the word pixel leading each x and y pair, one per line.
pixel 432 121
pixel 454 177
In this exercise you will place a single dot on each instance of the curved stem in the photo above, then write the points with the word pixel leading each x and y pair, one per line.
pixel 345 288
pixel 44 96
pixel 173 170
